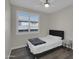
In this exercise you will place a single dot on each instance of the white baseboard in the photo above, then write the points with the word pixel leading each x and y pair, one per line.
pixel 18 47
pixel 9 54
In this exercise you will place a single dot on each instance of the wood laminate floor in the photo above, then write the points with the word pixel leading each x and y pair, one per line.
pixel 60 53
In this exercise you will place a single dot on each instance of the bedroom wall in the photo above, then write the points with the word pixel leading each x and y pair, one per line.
pixel 20 40
pixel 63 20
pixel 7 29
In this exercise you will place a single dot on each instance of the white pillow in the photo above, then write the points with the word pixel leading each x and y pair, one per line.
pixel 51 36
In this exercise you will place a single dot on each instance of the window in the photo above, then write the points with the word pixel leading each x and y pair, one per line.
pixel 27 22
pixel 34 23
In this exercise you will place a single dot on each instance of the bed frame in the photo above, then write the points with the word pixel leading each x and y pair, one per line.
pixel 54 33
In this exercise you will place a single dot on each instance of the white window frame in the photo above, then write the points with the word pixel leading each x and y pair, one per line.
pixel 29 32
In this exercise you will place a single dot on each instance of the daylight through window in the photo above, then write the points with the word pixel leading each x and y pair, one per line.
pixel 27 22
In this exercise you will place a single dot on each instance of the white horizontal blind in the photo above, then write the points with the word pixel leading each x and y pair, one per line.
pixel 26 22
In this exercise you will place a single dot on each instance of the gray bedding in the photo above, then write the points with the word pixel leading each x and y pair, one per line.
pixel 36 41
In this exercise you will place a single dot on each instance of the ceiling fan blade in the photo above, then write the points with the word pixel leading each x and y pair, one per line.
pixel 43 1
pixel 51 0
pixel 52 4
pixel 40 5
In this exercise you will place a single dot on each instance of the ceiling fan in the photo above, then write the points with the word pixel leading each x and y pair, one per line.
pixel 48 3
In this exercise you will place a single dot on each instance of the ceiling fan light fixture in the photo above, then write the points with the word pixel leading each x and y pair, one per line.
pixel 46 5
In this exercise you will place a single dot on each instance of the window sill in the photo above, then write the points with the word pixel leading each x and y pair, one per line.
pixel 25 33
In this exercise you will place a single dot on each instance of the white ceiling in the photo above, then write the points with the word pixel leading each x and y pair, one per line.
pixel 35 5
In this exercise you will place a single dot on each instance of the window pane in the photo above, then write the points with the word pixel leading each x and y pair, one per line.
pixel 34 18
pixel 34 24
pixel 23 21
pixel 23 16
pixel 23 26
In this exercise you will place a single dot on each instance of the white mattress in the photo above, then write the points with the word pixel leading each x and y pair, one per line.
pixel 51 42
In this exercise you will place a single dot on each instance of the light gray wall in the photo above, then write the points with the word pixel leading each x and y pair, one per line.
pixel 63 20
pixel 7 29
pixel 20 40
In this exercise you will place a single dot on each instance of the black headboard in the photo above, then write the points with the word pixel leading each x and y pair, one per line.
pixel 57 33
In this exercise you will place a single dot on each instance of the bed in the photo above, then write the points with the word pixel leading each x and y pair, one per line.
pixel 53 40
